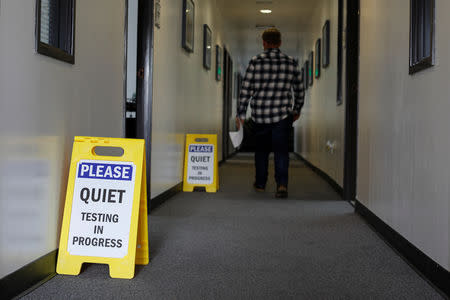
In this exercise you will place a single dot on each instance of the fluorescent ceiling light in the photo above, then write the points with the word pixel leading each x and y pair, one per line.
pixel 266 11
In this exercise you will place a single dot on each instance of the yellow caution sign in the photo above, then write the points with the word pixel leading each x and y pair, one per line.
pixel 105 214
pixel 200 163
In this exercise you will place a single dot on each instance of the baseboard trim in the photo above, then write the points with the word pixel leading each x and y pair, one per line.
pixel 160 199
pixel 229 157
pixel 431 270
pixel 36 273
pixel 322 174
pixel 29 277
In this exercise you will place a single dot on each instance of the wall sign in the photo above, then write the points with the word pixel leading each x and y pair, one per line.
pixel 326 44
pixel 207 47
pixel 311 69
pixel 218 63
pixel 188 25
pixel 317 59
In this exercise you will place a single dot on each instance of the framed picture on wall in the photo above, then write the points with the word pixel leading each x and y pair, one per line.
pixel 326 44
pixel 218 63
pixel 305 74
pixel 207 47
pixel 302 73
pixel 311 69
pixel 188 25
pixel 317 61
pixel 158 14
pixel 55 29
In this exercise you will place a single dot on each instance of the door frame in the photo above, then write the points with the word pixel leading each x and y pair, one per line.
pixel 144 82
pixel 351 103
pixel 227 102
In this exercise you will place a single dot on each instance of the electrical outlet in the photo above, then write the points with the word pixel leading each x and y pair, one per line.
pixel 331 146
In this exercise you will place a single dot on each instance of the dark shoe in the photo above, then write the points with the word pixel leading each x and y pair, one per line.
pixel 281 192
pixel 258 188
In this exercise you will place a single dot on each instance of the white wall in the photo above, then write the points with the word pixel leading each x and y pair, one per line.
pixel 403 164
pixel 250 42
pixel 321 120
pixel 44 103
pixel 186 97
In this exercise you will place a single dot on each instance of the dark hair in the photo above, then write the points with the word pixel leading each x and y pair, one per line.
pixel 272 36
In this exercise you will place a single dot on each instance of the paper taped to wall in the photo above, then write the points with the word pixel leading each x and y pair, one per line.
pixel 237 137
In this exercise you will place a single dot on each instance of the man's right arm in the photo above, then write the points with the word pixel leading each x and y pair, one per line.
pixel 299 91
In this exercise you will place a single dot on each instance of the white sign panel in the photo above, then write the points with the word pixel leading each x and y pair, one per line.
pixel 200 168
pixel 101 208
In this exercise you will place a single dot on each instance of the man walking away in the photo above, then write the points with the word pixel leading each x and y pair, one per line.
pixel 271 81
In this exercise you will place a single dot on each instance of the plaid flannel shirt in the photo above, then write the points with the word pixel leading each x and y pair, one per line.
pixel 272 78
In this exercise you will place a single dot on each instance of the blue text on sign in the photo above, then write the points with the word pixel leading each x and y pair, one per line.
pixel 105 171
pixel 201 148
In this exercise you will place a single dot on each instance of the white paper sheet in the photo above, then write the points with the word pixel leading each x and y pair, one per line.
pixel 237 136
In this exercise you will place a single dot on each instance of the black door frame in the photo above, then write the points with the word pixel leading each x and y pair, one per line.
pixel 351 103
pixel 224 105
pixel 144 82
pixel 227 99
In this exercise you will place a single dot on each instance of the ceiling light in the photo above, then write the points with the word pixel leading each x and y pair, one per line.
pixel 265 11
pixel 264 26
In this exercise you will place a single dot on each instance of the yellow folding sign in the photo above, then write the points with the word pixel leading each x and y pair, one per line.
pixel 105 214
pixel 200 163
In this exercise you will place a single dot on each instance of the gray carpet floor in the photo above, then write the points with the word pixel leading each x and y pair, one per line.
pixel 239 244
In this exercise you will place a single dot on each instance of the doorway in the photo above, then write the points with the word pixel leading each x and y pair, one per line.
pixel 139 75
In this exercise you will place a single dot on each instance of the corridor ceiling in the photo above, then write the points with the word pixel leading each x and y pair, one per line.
pixel 247 23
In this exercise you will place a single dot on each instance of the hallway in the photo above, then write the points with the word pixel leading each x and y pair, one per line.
pixel 243 245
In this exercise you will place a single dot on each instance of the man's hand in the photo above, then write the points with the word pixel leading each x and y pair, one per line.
pixel 239 121
pixel 296 116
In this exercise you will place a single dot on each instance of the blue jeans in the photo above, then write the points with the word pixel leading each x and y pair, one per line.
pixel 272 137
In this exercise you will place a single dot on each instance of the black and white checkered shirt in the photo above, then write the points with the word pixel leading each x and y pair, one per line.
pixel 272 78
